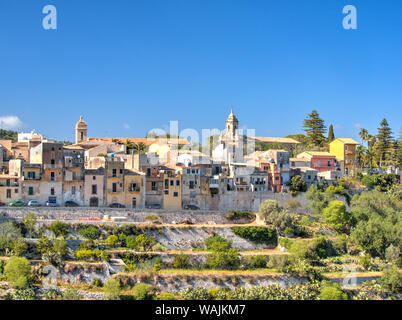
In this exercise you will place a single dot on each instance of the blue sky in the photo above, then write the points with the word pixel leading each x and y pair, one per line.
pixel 129 66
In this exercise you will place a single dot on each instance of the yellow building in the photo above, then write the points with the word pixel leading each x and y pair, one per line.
pixel 114 181
pixel 172 193
pixel 345 151
pixel 134 189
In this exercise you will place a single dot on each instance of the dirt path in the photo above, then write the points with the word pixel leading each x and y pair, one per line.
pixel 262 252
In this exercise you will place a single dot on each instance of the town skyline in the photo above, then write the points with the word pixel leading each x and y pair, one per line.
pixel 152 63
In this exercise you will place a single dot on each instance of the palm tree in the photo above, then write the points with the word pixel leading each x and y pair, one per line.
pixel 363 135
pixel 370 154
pixel 139 147
pixel 360 152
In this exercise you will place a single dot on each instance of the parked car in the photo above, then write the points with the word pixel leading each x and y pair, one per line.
pixel 191 207
pixel 2 204
pixel 34 203
pixel 154 206
pixel 52 204
pixel 17 203
pixel 71 204
pixel 117 205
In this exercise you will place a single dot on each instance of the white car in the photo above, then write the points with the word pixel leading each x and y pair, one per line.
pixel 34 203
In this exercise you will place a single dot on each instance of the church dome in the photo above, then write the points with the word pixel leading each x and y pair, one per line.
pixel 81 124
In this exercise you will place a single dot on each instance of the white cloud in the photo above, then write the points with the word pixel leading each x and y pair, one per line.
pixel 127 126
pixel 10 123
pixel 358 125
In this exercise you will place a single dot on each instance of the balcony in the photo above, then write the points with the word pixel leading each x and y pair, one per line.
pixel 14 184
pixel 31 179
pixel 52 166
pixel 115 176
pixel 134 189
pixel 114 191
pixel 70 179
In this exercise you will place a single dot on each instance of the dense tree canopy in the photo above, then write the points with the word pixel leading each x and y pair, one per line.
pixel 315 128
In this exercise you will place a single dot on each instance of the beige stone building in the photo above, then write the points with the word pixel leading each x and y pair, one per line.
pixel 51 158
pixel 94 187
pixel 73 184
pixel 114 173
pixel 9 188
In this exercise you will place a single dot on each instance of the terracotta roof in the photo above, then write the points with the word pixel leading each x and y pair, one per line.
pixel 146 141
pixel 347 140
pixel 276 140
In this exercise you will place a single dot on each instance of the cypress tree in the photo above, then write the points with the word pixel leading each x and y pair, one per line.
pixel 331 136
pixel 315 128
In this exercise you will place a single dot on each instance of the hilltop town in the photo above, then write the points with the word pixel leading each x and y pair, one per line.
pixel 298 217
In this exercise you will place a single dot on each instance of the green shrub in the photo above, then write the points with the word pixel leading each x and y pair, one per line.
pixel 292 204
pixel 157 265
pixel 2 264
pixel 143 242
pixel 257 234
pixel 90 232
pixel 392 254
pixel 255 262
pixel 195 294
pixel 236 215
pixel 112 289
pixel 71 294
pixel 167 296
pixel 8 233
pixel 278 261
pixel 60 247
pixel 217 243
pixel 225 259
pixel 272 213
pixel 87 245
pixel 29 221
pixel 305 221
pixel 336 215
pixel 181 261
pixel 51 294
pixel 143 291
pixel 332 291
pixel 18 271
pixel 23 294
pixel 152 217
pixel 391 279
pixel 297 184
pixel 19 247
pixel 59 228
pixel 130 242
pixel 95 255
pixel 365 261
pixel 112 240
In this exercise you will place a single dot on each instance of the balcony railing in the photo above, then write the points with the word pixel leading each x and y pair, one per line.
pixel 114 191
pixel 9 185
pixel 52 166
pixel 134 189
